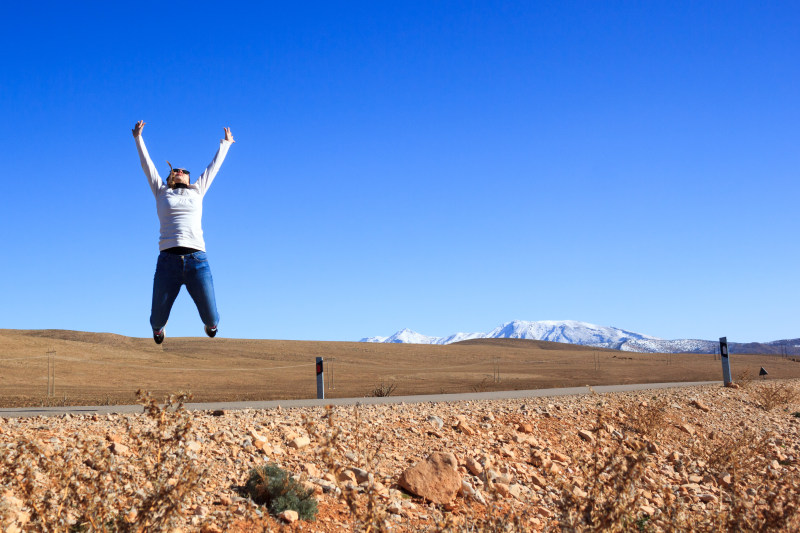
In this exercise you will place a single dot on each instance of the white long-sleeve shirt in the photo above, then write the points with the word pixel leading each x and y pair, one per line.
pixel 180 211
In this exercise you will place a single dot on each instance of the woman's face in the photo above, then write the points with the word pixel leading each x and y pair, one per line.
pixel 179 175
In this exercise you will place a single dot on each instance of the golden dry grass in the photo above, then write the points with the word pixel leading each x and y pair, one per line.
pixel 101 368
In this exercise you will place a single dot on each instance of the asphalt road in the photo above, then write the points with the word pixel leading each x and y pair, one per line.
pixel 16 412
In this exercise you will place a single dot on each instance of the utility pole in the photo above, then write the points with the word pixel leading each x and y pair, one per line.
pixel 331 382
pixel 51 373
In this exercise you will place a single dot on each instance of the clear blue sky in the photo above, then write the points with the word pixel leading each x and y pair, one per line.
pixel 441 166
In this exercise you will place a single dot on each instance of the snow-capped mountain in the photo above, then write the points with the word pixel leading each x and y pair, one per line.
pixel 567 331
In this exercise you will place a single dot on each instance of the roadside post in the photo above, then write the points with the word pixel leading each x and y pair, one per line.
pixel 726 363
pixel 320 380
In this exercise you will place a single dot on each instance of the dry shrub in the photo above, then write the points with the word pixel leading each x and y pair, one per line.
pixel 366 505
pixel 645 418
pixel 483 385
pixel 745 379
pixel 495 518
pixel 604 492
pixel 383 390
pixel 86 487
pixel 774 394
pixel 754 496
pixel 609 499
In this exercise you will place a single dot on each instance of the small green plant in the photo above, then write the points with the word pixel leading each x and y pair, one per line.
pixel 272 487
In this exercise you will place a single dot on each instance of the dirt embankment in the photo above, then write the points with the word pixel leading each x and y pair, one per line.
pixel 682 459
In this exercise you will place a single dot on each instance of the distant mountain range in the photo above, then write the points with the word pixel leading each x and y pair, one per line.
pixel 585 334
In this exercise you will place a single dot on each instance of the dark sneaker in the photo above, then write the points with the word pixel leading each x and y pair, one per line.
pixel 211 332
pixel 158 336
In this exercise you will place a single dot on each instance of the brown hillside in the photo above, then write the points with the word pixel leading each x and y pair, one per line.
pixel 530 344
pixel 108 368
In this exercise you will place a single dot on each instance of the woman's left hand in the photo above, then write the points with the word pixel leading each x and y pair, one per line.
pixel 228 135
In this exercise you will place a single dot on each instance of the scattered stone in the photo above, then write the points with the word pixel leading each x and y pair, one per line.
pixel 508 452
pixel 464 427
pixel 119 449
pixel 502 489
pixel 395 507
pixel 436 422
pixel 289 516
pixel 538 480
pixel 474 466
pixel 560 457
pixel 700 405
pixel 361 475
pixel 311 469
pixel 586 435
pixel 515 490
pixel 579 492
pixel 347 475
pixel 299 442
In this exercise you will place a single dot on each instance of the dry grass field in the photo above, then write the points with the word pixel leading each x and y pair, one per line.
pixel 102 368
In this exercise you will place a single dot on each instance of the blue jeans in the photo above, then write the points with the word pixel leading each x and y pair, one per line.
pixel 173 271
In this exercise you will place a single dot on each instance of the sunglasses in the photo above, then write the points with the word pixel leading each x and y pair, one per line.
pixel 180 171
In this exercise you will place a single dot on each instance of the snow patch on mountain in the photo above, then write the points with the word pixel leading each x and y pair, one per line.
pixel 410 337
pixel 674 346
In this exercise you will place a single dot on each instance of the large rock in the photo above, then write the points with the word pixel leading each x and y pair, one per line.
pixel 436 478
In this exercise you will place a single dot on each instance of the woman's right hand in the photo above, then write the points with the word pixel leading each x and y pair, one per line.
pixel 137 129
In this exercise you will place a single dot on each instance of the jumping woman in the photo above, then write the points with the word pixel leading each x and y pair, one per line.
pixel 182 260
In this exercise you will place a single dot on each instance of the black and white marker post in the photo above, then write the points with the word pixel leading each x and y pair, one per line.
pixel 320 380
pixel 726 363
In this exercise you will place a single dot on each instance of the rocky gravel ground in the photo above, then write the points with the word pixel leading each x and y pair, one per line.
pixel 690 457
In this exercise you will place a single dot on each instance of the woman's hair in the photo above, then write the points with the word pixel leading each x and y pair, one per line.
pixel 169 176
